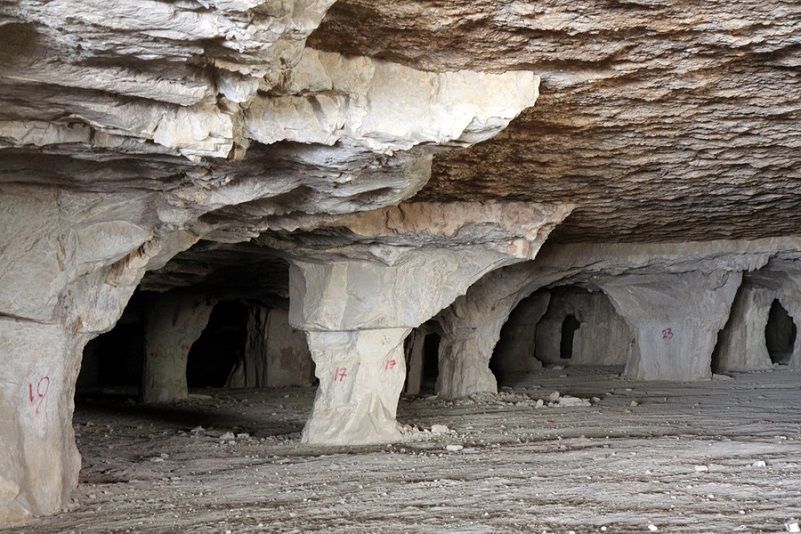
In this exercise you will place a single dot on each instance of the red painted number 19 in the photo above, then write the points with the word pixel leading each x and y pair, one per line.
pixel 37 393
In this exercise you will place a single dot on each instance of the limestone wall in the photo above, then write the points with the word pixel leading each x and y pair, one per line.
pixel 603 337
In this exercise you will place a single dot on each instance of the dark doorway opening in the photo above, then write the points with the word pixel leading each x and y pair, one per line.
pixel 115 359
pixel 780 333
pixel 569 327
pixel 430 363
pixel 220 346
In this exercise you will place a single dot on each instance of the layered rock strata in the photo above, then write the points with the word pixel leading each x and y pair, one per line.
pixel 690 285
pixel 360 283
pixel 129 131
pixel 661 120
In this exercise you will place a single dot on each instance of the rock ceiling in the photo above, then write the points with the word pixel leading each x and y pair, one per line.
pixel 661 119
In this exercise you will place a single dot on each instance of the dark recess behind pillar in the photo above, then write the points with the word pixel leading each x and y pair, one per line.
pixel 780 334
pixel 430 362
pixel 219 347
pixel 116 358
pixel 569 327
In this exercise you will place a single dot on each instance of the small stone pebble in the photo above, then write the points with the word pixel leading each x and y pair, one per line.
pixel 454 448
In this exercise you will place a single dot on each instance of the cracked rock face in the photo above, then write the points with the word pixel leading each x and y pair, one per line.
pixel 662 120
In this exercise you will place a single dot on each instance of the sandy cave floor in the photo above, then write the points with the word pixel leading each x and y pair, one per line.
pixel 522 468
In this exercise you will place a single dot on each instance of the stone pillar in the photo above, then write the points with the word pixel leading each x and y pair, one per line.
pixel 471 327
pixel 66 273
pixel 415 346
pixel 788 287
pixel 359 289
pixel 361 375
pixel 276 355
pixel 251 372
pixel 742 345
pixel 39 463
pixel 173 323
pixel 469 335
pixel 515 351
pixel 356 315
pixel 674 319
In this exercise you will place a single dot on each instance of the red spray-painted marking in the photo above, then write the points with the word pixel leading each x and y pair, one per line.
pixel 36 395
pixel 390 364
pixel 667 334
pixel 340 374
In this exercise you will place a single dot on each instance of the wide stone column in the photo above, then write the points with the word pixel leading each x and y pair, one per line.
pixel 471 327
pixel 358 294
pixel 361 376
pixel 742 345
pixel 66 273
pixel 469 335
pixel 674 319
pixel 39 463
pixel 173 323
pixel 356 315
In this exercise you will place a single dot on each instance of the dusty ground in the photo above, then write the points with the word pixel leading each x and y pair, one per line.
pixel 607 467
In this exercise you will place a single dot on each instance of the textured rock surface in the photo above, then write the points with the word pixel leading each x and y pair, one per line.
pixel 356 289
pixel 475 320
pixel 603 338
pixel 662 120
pixel 130 130
pixel 174 323
pixel 674 319
pixel 742 345
pixel 515 351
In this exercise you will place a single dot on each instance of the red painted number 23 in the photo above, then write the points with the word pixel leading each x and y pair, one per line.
pixel 37 393
pixel 667 334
